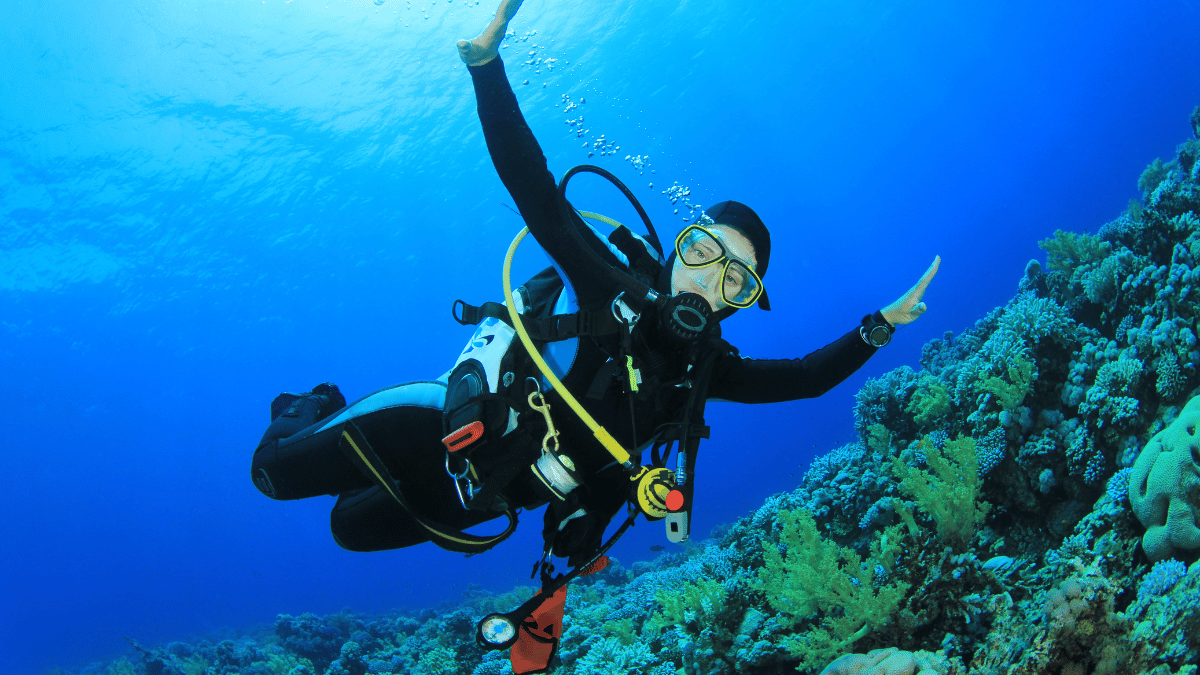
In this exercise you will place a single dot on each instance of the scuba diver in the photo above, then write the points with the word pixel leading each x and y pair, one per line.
pixel 607 354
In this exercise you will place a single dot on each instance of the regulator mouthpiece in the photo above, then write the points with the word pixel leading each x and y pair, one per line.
pixel 686 317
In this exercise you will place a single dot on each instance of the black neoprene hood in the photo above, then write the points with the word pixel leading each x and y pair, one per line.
pixel 743 219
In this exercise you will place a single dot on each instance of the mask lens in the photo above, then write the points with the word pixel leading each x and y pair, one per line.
pixel 740 286
pixel 697 248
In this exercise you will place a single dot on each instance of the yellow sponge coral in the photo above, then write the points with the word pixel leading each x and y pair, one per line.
pixel 1164 486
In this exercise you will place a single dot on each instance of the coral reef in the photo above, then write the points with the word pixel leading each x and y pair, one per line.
pixel 1165 486
pixel 1025 503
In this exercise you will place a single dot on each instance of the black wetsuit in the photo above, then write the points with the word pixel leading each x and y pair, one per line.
pixel 298 459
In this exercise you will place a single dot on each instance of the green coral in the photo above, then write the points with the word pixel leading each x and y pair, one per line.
pixel 438 661
pixel 1011 392
pixel 817 578
pixel 1154 174
pixel 286 662
pixel 194 665
pixel 879 439
pixel 693 601
pixel 930 402
pixel 621 630
pixel 950 494
pixel 1068 250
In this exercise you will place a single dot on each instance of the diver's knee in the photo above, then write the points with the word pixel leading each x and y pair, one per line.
pixel 263 482
pixel 264 458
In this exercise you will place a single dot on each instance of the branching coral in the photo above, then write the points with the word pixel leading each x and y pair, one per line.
pixel 950 494
pixel 1068 250
pixel 697 600
pixel 609 655
pixel 1010 392
pixel 929 403
pixel 815 576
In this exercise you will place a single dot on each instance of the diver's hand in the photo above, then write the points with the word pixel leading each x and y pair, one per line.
pixel 486 46
pixel 909 306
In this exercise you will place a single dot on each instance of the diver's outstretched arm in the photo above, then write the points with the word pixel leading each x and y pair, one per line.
pixel 486 46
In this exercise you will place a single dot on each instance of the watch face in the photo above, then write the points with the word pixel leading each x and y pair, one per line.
pixel 880 336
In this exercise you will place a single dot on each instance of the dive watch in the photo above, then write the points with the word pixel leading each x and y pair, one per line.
pixel 875 330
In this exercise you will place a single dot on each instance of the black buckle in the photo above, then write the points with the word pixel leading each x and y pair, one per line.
pixel 470 310
pixel 583 322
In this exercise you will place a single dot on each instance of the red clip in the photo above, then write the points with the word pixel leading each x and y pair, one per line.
pixel 463 436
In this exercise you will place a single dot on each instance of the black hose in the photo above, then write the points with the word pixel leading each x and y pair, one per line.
pixel 604 173
pixel 637 293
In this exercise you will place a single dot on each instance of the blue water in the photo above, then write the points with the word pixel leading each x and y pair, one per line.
pixel 205 203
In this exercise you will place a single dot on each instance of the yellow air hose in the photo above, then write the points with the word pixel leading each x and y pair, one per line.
pixel 614 448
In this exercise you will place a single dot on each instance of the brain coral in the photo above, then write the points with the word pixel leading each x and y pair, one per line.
pixel 890 661
pixel 1164 487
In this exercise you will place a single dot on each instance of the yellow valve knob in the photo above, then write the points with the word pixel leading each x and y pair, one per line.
pixel 651 487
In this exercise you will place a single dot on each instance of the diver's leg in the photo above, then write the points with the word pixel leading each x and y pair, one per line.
pixel 370 520
pixel 486 46
pixel 402 424
pixel 291 413
pixel 409 441
pixel 303 464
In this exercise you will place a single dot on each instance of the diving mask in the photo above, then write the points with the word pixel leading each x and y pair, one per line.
pixel 698 247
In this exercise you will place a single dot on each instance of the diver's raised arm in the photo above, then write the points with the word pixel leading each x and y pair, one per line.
pixel 486 46
pixel 521 164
